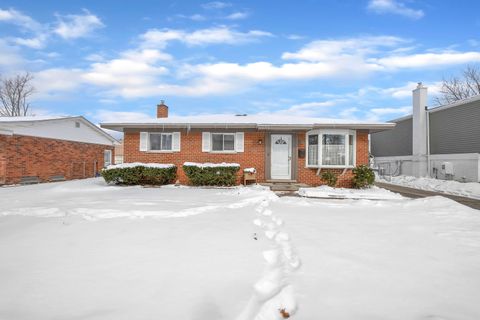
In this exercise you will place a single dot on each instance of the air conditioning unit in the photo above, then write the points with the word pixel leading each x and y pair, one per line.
pixel 447 168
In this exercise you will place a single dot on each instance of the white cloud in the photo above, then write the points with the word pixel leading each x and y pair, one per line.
pixel 390 111
pixel 426 60
pixel 405 91
pixel 20 19
pixel 329 50
pixel 9 56
pixel 146 55
pixel 306 109
pixel 394 7
pixel 294 37
pixel 75 26
pixel 215 5
pixel 103 115
pixel 49 83
pixel 123 73
pixel 95 57
pixel 215 35
pixel 237 16
pixel 193 17
pixel 27 25
pixel 37 42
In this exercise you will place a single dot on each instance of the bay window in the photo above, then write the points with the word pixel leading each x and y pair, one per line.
pixel 331 148
pixel 313 149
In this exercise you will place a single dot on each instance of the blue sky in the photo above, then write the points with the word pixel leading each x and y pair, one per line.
pixel 115 60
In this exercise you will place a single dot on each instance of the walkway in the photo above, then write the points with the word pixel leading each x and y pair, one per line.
pixel 417 193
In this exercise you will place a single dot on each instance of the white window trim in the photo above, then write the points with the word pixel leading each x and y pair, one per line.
pixel 320 134
pixel 223 151
pixel 159 151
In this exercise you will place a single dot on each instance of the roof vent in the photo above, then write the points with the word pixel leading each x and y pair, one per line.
pixel 241 115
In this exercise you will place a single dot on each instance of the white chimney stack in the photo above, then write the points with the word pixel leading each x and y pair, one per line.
pixel 419 134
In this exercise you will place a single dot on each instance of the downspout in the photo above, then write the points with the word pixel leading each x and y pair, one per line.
pixel 427 119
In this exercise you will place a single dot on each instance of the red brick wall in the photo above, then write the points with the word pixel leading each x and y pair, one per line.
pixel 191 150
pixel 42 157
pixel 254 156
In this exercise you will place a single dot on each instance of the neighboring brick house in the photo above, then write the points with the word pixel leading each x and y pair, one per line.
pixel 40 149
pixel 280 148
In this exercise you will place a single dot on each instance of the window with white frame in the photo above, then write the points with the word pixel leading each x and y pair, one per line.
pixel 331 148
pixel 107 158
pixel 223 142
pixel 160 141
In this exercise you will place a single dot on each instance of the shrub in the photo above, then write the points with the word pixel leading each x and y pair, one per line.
pixel 211 174
pixel 363 177
pixel 140 174
pixel 329 177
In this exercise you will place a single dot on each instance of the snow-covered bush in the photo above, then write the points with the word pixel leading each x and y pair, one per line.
pixel 140 173
pixel 363 177
pixel 329 177
pixel 211 174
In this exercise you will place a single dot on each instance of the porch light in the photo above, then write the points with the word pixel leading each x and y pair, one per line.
pixel 260 141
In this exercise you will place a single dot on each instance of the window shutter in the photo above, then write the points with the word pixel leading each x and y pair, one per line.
pixel 143 141
pixel 176 141
pixel 239 142
pixel 206 142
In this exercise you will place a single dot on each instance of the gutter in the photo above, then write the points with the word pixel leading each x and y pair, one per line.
pixel 121 126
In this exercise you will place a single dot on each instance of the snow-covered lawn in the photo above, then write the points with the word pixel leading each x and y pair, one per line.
pixel 372 193
pixel 467 189
pixel 84 250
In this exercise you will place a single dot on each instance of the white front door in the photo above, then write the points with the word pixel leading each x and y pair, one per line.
pixel 281 156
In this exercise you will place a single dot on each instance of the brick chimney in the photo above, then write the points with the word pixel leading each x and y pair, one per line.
pixel 162 110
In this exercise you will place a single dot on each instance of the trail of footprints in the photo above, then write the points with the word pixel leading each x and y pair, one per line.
pixel 273 291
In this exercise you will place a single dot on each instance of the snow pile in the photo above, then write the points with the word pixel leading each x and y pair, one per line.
pixel 373 193
pixel 139 164
pixel 465 189
pixel 210 165
pixel 250 170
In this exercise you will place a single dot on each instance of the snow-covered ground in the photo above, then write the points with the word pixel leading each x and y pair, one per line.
pixel 467 189
pixel 372 193
pixel 84 250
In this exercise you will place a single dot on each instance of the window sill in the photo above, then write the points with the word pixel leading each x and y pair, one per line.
pixel 330 167
pixel 160 151
pixel 224 152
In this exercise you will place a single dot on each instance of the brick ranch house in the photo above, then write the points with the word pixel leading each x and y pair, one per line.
pixel 280 148
pixel 41 149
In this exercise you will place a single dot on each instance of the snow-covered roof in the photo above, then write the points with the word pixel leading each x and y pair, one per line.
pixel 34 118
pixel 54 127
pixel 257 121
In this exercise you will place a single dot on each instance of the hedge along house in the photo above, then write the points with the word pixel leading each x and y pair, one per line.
pixel 280 148
pixel 40 149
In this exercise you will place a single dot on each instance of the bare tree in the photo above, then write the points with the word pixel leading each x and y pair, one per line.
pixel 458 88
pixel 14 95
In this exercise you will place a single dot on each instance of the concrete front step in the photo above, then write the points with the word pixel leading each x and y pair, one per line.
pixel 284 187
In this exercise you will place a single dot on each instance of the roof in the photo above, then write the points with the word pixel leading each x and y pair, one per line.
pixel 443 107
pixel 256 121
pixel 29 119
pixel 34 118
